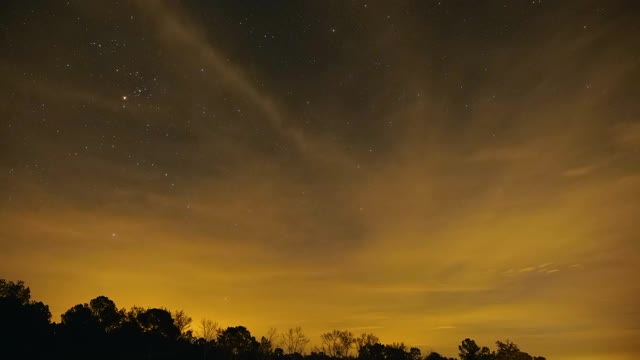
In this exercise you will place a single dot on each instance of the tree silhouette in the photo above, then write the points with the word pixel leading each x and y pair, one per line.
pixel 183 322
pixel 337 343
pixel 99 330
pixel 372 352
pixel 266 343
pixel 396 351
pixel 237 343
pixel 509 351
pixel 469 350
pixel 209 329
pixel 365 339
pixel 80 331
pixel 105 312
pixel 25 326
pixel 415 354
pixel 294 340
pixel 436 356
pixel 15 292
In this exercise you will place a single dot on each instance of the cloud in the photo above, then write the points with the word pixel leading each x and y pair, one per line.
pixel 501 154
pixel 370 207
pixel 580 171
pixel 445 327
pixel 627 135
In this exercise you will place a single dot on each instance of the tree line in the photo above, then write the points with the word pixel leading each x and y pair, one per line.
pixel 100 330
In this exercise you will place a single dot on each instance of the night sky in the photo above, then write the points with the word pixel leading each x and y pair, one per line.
pixel 426 171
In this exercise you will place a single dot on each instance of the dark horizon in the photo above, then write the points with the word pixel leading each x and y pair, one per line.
pixel 424 170
pixel 102 330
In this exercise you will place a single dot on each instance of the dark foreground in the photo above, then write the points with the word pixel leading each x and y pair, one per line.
pixel 99 330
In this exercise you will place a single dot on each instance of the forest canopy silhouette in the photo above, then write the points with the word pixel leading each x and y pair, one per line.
pixel 100 330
